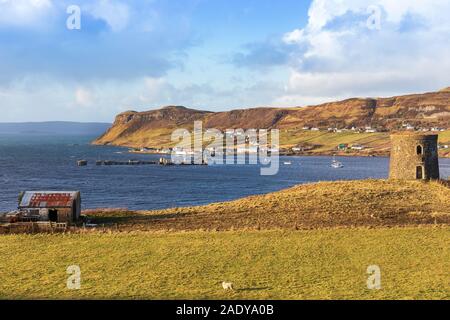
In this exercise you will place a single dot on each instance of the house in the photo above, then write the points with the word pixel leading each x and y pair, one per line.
pixel 357 147
pixel 166 151
pixel 303 147
pixel 54 206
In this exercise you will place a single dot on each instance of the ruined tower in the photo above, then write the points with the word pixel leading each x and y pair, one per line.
pixel 414 156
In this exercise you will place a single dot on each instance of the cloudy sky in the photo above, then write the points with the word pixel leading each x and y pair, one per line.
pixel 214 54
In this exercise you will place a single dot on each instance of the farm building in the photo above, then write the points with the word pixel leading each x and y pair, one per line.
pixel 54 206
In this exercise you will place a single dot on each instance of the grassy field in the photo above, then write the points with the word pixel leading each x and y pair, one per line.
pixel 327 142
pixel 316 264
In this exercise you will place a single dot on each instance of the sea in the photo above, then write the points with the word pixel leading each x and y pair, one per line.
pixel 46 162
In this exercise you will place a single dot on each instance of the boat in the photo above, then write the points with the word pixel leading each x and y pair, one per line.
pixel 288 163
pixel 336 164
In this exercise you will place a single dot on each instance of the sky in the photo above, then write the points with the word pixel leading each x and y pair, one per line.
pixel 213 54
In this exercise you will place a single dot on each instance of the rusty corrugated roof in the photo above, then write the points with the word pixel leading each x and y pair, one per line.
pixel 48 199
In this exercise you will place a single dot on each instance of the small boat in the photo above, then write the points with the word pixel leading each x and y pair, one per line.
pixel 287 163
pixel 336 164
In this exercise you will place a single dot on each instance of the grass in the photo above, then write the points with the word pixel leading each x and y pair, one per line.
pixel 316 264
pixel 444 137
pixel 317 205
pixel 327 142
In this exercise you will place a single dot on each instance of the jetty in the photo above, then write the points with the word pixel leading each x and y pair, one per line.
pixel 161 162
pixel 123 163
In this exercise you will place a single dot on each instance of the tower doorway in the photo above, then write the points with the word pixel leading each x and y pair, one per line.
pixel 419 173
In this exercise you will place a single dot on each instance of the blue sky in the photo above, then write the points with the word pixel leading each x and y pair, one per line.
pixel 214 54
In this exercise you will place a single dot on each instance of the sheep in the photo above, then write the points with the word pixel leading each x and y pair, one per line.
pixel 227 286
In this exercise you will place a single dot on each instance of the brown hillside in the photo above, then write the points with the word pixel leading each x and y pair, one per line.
pixel 264 118
pixel 153 128
pixel 318 205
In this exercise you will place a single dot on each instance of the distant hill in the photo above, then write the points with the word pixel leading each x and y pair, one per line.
pixel 153 128
pixel 54 127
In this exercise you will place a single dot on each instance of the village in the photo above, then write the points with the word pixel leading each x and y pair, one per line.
pixel 244 143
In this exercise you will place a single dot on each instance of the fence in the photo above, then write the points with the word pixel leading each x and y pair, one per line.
pixel 33 227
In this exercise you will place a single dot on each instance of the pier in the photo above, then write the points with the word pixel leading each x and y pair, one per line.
pixel 123 163
pixel 161 162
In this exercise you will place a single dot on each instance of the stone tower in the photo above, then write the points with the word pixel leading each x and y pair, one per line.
pixel 414 157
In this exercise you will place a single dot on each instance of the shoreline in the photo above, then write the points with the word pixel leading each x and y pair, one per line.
pixel 318 154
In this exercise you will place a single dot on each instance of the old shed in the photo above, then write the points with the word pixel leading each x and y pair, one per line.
pixel 54 206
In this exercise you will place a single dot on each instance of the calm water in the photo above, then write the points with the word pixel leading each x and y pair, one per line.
pixel 49 163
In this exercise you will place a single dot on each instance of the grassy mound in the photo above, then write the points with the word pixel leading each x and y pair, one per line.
pixel 326 204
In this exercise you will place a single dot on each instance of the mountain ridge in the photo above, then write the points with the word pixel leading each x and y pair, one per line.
pixel 152 128
pixel 54 127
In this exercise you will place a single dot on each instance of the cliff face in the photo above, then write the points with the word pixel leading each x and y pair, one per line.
pixel 133 128
pixel 153 128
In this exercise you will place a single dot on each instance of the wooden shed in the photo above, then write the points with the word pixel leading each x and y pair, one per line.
pixel 54 206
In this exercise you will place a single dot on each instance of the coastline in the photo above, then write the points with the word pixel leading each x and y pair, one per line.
pixel 307 143
pixel 311 154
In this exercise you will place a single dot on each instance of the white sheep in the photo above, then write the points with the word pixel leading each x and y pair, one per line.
pixel 227 286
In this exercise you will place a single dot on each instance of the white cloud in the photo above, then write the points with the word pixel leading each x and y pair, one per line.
pixel 35 98
pixel 339 56
pixel 24 12
pixel 294 37
pixel 115 13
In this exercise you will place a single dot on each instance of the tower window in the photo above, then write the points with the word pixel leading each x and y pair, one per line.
pixel 419 150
